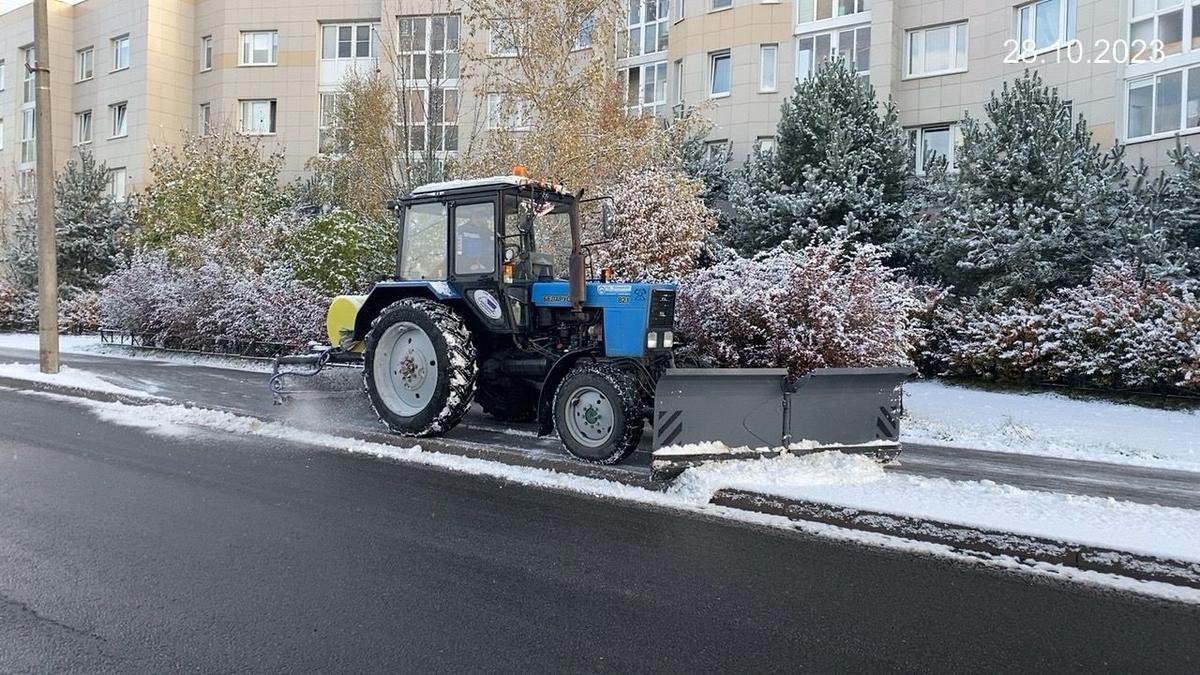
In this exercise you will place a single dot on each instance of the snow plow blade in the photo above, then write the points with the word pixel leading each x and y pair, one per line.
pixel 288 371
pixel 703 415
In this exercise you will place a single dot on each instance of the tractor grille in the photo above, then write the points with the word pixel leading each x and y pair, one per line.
pixel 662 310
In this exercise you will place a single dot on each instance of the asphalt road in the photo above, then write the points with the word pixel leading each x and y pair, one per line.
pixel 124 552
pixel 246 391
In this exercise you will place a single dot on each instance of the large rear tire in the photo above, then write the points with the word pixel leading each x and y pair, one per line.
pixel 598 413
pixel 419 367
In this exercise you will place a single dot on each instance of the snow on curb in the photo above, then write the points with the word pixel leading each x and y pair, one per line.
pixel 691 492
pixel 69 378
pixel 1050 425
pixel 91 345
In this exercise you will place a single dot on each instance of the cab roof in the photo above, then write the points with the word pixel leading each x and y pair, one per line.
pixel 473 184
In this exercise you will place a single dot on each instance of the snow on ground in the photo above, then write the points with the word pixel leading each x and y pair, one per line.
pixel 1050 424
pixel 67 344
pixel 91 345
pixel 691 492
pixel 67 377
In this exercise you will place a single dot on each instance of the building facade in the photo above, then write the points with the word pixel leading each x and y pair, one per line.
pixel 132 75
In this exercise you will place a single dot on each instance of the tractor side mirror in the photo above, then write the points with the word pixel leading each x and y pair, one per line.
pixel 607 215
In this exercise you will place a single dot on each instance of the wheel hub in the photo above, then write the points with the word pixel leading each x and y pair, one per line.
pixel 406 374
pixel 411 370
pixel 590 417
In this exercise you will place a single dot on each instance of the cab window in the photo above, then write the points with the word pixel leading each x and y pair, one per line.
pixel 423 246
pixel 475 238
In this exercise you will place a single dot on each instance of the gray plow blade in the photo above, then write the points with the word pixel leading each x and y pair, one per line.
pixel 757 412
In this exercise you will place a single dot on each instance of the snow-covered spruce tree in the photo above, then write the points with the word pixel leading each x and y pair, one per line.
pixel 660 226
pixel 1178 208
pixel 841 166
pixel 822 306
pixel 208 183
pixel 1035 203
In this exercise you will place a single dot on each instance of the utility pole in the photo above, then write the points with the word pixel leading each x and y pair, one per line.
pixel 47 246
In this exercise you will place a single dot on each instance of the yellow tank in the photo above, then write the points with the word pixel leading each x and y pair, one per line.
pixel 339 320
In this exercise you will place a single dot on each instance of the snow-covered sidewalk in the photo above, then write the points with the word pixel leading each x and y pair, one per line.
pixel 1051 425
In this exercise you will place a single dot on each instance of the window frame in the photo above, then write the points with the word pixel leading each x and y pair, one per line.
pixel 1189 11
pixel 861 7
pixel 834 37
pixel 87 54
pixel 122 194
pixel 661 24
pixel 713 57
pixel 520 118
pixel 638 106
pixel 247 104
pixel 28 138
pixel 719 5
pixel 1068 14
pixel 2 133
pixel 206 53
pixel 917 143
pixel 355 30
pixel 404 243
pixel 118 111
pixel 3 74
pixel 78 136
pixel 243 44
pixel 1189 79
pixel 424 87
pixel 763 49
pixel 204 119
pixel 117 52
pixel 453 227
pixel 911 35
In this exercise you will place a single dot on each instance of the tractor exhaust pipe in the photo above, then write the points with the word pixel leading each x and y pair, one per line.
pixel 576 267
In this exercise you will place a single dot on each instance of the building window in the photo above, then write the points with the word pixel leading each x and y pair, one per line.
pixel 85 64
pixel 647 26
pixel 83 127
pixel 646 89
pixel 1046 24
pixel 937 50
pixel 587 31
pixel 330 139
pixel 349 41
pixel 1 133
pixel 852 44
pixel 1164 104
pixel 764 144
pixel 503 40
pixel 516 115
pixel 718 73
pixel 118 112
pixel 768 58
pixel 1176 23
pixel 204 121
pixel 28 137
pixel 428 58
pixel 260 48
pixel 679 83
pixel 808 11
pixel 717 151
pixel 428 49
pixel 206 52
pixel 258 117
pixel 929 145
pixel 118 183
pixel 26 185
pixel 721 4
pixel 3 74
pixel 30 79
pixel 120 52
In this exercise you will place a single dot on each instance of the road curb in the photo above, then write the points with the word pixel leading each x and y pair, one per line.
pixel 994 542
pixel 445 446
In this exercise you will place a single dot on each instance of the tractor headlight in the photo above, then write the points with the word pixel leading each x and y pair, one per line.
pixel 652 340
pixel 668 340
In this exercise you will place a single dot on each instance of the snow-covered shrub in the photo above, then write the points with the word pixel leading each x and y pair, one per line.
pixel 79 311
pixel 18 307
pixel 813 308
pixel 659 228
pixel 213 303
pixel 339 252
pixel 1119 331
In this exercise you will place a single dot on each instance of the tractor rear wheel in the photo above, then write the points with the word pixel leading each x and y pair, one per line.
pixel 598 413
pixel 507 402
pixel 419 367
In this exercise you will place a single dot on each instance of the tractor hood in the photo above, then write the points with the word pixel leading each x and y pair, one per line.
pixel 631 311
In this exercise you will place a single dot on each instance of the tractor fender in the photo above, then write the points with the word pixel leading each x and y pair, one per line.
pixel 545 409
pixel 385 293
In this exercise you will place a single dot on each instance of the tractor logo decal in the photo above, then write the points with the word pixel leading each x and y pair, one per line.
pixel 614 289
pixel 487 303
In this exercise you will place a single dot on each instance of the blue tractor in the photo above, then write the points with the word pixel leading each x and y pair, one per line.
pixel 491 304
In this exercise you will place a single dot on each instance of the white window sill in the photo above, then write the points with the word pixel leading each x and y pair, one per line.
pixel 81 144
pixel 86 79
pixel 257 65
pixel 117 70
pixel 205 70
pixel 714 10
pixel 940 73
pixel 1163 136
pixel 114 138
pixel 257 133
pixel 716 96
pixel 772 90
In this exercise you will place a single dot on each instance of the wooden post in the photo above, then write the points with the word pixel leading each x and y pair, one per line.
pixel 47 246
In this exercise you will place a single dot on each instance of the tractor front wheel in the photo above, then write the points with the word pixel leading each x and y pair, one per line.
pixel 598 413
pixel 419 367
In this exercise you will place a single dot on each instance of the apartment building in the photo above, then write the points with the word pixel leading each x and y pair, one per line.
pixel 1131 67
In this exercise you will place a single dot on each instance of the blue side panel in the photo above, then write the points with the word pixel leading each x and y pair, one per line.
pixel 440 289
pixel 626 311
